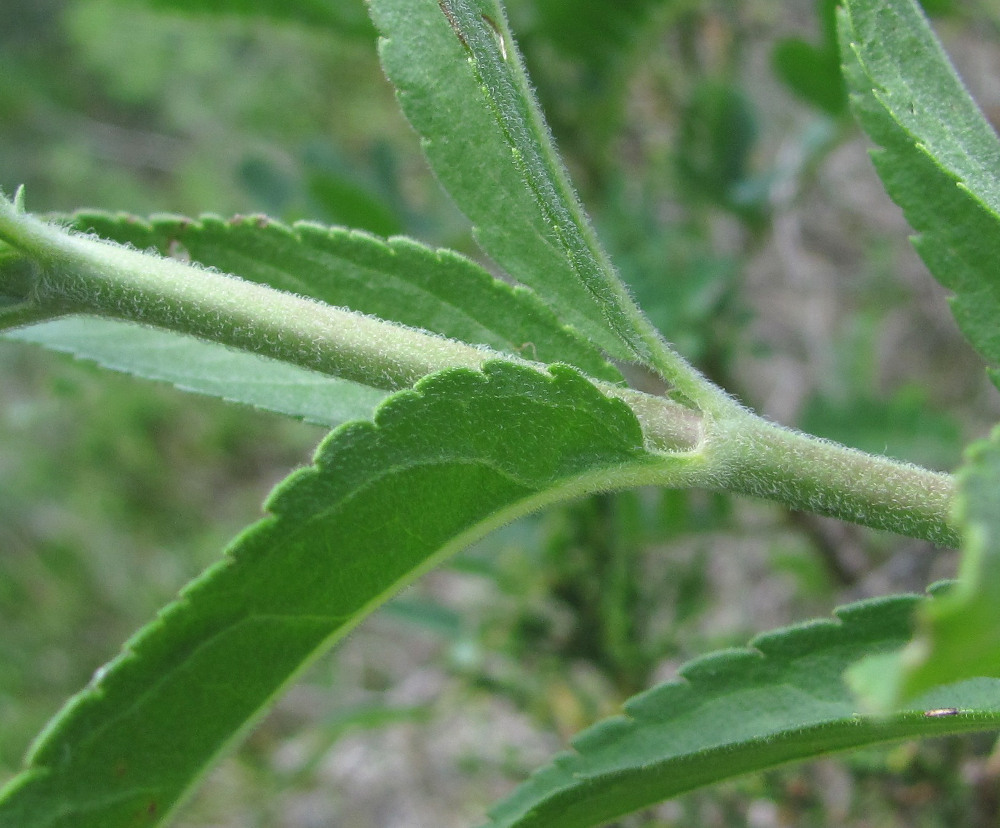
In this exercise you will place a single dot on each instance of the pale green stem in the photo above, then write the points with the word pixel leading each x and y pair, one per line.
pixel 76 274
pixel 765 460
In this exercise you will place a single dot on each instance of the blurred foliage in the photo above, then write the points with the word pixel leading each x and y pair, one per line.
pixel 345 18
pixel 694 128
pixel 685 286
pixel 716 137
pixel 813 71
pixel 581 54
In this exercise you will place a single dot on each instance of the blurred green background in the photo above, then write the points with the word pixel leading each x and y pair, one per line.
pixel 711 143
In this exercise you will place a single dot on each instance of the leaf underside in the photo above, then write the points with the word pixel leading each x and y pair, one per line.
pixel 738 711
pixel 206 368
pixel 461 84
pixel 383 502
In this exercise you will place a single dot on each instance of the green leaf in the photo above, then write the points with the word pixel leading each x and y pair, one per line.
pixel 399 280
pixel 940 157
pixel 960 639
pixel 462 453
pixel 206 368
pixel 957 635
pixel 739 711
pixel 813 72
pixel 462 85
pixel 939 162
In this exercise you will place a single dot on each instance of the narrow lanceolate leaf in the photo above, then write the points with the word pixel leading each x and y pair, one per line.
pixel 462 85
pixel 739 711
pixel 441 465
pixel 206 368
pixel 940 159
pixel 399 280
pixel 957 635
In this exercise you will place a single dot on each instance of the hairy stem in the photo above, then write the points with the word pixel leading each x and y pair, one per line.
pixel 57 273
pixel 814 475
pixel 77 274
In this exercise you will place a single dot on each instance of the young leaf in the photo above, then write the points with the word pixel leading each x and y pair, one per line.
pixel 957 636
pixel 206 368
pixel 940 157
pixel 960 639
pixel 462 85
pixel 739 711
pixel 441 465
pixel 399 279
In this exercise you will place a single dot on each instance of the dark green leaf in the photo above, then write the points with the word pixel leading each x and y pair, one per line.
pixel 813 72
pixel 462 453
pixel 738 711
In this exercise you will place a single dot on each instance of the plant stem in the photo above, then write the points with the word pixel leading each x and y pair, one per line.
pixel 59 273
pixel 77 274
pixel 815 475
pixel 728 447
